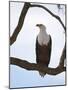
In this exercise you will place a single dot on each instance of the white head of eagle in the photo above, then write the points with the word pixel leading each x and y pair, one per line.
pixel 43 48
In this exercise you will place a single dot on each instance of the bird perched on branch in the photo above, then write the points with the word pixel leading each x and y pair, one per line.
pixel 43 47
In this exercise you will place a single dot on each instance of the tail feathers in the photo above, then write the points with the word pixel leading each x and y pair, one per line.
pixel 42 74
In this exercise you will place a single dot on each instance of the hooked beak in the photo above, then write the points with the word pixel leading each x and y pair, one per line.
pixel 38 25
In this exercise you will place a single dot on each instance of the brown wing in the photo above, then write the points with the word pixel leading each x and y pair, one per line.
pixel 37 50
pixel 49 47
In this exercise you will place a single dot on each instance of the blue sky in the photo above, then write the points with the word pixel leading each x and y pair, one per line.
pixel 24 47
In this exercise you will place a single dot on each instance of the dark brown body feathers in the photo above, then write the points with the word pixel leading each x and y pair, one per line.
pixel 43 53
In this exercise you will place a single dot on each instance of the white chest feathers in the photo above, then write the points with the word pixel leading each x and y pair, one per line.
pixel 43 38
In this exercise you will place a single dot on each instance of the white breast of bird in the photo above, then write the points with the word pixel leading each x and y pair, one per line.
pixel 43 38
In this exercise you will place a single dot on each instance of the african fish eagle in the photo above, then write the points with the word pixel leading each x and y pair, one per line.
pixel 43 47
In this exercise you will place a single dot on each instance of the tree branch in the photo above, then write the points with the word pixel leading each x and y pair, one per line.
pixel 36 67
pixel 57 17
pixel 63 56
pixel 20 23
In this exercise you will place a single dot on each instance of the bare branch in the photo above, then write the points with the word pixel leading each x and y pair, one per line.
pixel 36 67
pixel 20 23
pixel 63 56
pixel 57 17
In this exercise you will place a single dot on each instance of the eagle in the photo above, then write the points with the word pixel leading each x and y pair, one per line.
pixel 43 48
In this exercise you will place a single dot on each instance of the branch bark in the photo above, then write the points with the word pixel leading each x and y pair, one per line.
pixel 36 67
pixel 20 23
pixel 57 17
pixel 63 56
